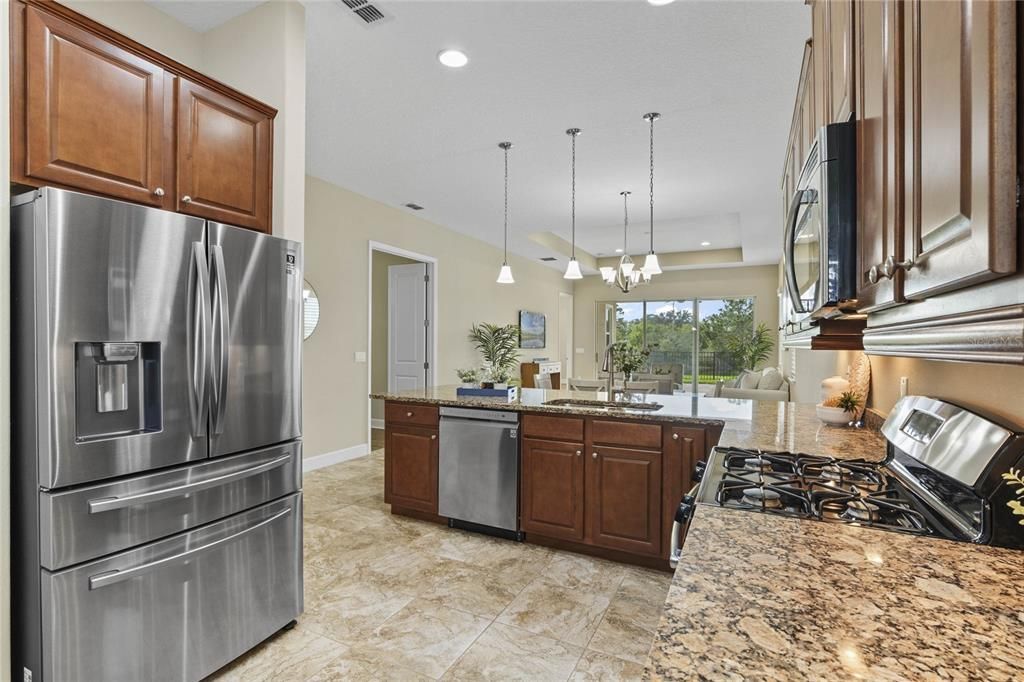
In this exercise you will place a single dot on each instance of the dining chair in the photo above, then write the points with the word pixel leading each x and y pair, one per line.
pixel 647 387
pixel 585 385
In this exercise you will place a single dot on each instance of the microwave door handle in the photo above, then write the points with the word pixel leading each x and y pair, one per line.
pixel 198 338
pixel 221 332
pixel 800 197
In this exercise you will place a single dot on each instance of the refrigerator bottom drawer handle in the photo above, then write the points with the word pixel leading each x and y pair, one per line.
pixel 103 504
pixel 106 578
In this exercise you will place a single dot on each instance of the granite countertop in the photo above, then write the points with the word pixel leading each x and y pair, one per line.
pixel 757 596
pixel 746 423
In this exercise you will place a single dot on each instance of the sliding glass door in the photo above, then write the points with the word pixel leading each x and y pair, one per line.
pixel 692 341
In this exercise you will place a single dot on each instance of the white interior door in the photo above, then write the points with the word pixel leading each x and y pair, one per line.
pixel 565 331
pixel 407 326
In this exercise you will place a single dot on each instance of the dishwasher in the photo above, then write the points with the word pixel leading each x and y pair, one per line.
pixel 478 478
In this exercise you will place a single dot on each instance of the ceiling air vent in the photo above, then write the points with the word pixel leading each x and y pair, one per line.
pixel 548 259
pixel 415 207
pixel 369 13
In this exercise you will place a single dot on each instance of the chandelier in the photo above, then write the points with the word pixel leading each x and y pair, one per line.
pixel 627 276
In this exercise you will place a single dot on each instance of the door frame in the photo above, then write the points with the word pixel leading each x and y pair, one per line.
pixel 432 270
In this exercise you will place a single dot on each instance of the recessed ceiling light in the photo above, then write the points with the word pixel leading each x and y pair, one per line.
pixel 705 243
pixel 659 3
pixel 454 59
pixel 618 250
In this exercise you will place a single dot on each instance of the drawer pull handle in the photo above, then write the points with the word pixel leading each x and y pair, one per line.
pixel 594 455
pixel 891 266
pixel 109 503
pixel 675 436
pixel 158 192
pixel 433 436
pixel 579 453
pixel 110 577
pixel 408 414
pixel 186 199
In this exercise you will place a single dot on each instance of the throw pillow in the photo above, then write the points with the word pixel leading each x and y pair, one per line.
pixel 771 379
pixel 749 379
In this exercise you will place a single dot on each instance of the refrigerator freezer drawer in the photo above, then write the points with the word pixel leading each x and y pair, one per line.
pixel 180 608
pixel 91 522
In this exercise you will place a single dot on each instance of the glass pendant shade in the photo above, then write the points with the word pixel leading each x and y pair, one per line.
pixel 651 266
pixel 626 266
pixel 505 276
pixel 572 270
pixel 608 274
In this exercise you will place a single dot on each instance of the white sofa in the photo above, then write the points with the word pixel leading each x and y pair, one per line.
pixel 767 384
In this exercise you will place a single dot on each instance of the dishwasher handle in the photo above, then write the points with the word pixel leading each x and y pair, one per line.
pixel 512 428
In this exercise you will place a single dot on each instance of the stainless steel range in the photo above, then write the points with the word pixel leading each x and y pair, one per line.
pixel 157 518
pixel 942 476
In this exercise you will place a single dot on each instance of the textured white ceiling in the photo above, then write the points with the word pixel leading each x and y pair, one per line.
pixel 202 15
pixel 385 119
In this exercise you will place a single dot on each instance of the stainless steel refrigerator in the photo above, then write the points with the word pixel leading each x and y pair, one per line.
pixel 157 462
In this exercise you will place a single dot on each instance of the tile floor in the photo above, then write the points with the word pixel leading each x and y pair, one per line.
pixel 392 598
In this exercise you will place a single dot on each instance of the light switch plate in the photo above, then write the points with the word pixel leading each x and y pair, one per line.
pixel 360 356
pixel 580 351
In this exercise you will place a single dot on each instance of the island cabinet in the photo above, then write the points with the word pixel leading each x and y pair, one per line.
pixel 607 486
pixel 94 111
pixel 410 458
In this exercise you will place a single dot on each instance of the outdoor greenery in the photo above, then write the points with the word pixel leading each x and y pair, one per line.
pixel 729 341
pixel 499 347
pixel 629 358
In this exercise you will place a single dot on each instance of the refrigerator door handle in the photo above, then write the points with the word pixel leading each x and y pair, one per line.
pixel 112 577
pixel 199 338
pixel 221 316
pixel 104 504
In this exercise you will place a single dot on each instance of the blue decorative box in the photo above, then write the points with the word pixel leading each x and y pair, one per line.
pixel 510 393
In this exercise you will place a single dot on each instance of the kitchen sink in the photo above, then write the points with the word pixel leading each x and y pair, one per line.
pixel 603 404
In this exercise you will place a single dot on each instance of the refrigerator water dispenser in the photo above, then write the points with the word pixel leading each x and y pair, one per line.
pixel 117 389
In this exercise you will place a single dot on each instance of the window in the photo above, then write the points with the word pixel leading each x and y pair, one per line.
pixel 682 333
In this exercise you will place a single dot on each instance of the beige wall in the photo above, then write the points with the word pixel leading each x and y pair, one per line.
pixel 146 24
pixel 339 226
pixel 379 334
pixel 759 282
pixel 261 53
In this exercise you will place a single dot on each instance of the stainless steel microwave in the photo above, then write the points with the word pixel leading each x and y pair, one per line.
pixel 820 248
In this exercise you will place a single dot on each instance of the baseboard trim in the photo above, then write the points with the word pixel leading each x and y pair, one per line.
pixel 376 423
pixel 336 457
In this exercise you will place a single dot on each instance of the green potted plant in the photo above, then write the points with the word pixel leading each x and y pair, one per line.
pixel 840 409
pixel 629 358
pixel 752 349
pixel 499 347
pixel 470 378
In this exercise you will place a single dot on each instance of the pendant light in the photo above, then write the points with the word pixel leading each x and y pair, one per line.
pixel 505 275
pixel 651 266
pixel 627 275
pixel 572 270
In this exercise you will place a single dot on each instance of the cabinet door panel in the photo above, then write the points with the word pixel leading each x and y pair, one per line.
pixel 683 448
pixel 879 31
pixel 841 71
pixel 95 114
pixel 224 158
pixel 624 499
pixel 410 467
pixel 552 489
pixel 960 166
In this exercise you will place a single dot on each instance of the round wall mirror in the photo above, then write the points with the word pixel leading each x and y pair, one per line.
pixel 310 309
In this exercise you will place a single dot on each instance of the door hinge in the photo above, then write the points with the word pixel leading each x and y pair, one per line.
pixel 426 278
pixel 426 322
pixel 426 365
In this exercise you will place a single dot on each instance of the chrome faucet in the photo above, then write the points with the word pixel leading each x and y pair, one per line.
pixel 609 366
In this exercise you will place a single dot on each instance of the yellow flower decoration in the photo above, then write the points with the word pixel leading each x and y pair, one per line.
pixel 1013 477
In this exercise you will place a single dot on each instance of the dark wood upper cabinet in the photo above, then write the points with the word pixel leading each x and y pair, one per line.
pixel 551 489
pixel 879 116
pixel 94 114
pixel 960 120
pixel 94 111
pixel 840 56
pixel 624 488
pixel 411 467
pixel 224 158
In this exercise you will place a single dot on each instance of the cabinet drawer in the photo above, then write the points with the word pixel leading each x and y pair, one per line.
pixel 409 413
pixel 554 428
pixel 626 433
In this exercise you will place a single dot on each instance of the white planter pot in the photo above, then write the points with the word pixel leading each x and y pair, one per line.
pixel 834 415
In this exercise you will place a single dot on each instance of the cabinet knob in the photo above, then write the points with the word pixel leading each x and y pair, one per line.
pixel 873 274
pixel 408 414
pixel 594 455
pixel 433 436
pixel 158 192
pixel 186 199
pixel 891 266
pixel 675 436
pixel 579 453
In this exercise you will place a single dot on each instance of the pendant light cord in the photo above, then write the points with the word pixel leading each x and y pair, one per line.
pixel 573 209
pixel 625 221
pixel 505 260
pixel 652 183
